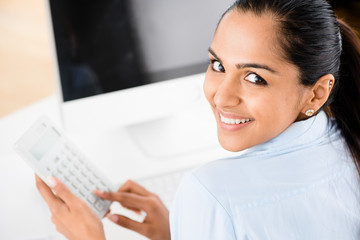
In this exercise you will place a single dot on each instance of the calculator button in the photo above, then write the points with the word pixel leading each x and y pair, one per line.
pixel 62 179
pixel 62 169
pixel 91 199
pixel 69 177
pixel 76 166
pixel 74 186
pixel 102 183
pixel 87 168
pixel 66 180
pixel 80 160
pixel 72 172
pixel 78 181
pixel 84 189
pixel 83 173
pixel 88 186
pixel 99 205
pixel 82 192
pixel 95 175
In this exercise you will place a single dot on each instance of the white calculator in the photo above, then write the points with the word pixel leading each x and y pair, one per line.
pixel 50 153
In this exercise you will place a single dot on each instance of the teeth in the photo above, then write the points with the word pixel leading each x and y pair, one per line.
pixel 233 121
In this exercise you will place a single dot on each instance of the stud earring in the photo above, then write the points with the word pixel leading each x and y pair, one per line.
pixel 309 112
pixel 330 84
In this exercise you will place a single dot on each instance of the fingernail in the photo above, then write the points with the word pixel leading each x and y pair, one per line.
pixel 114 218
pixel 51 181
pixel 99 192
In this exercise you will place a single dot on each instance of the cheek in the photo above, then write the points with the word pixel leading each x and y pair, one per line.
pixel 275 110
pixel 209 88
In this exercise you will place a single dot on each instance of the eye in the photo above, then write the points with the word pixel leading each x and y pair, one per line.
pixel 255 79
pixel 216 66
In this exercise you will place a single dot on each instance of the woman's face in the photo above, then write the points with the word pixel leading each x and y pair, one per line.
pixel 254 93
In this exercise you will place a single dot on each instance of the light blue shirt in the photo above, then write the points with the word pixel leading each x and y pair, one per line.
pixel 300 185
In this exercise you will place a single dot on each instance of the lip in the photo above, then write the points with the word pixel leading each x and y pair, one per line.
pixel 232 127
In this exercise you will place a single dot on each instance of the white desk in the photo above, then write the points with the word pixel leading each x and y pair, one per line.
pixel 24 215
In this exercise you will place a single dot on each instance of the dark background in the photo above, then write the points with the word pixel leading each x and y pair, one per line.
pixel 348 10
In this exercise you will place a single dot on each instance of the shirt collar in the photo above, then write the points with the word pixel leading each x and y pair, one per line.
pixel 298 135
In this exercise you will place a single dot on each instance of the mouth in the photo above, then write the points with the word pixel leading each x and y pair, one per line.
pixel 234 121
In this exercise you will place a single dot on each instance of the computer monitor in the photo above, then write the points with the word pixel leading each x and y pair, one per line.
pixel 137 64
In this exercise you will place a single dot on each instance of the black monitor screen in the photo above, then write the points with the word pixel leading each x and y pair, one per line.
pixel 109 45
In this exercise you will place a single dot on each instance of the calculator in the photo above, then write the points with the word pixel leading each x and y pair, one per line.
pixel 50 153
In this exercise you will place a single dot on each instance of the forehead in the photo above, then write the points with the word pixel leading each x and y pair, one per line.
pixel 248 36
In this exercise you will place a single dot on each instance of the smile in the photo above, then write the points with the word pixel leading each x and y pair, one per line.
pixel 234 121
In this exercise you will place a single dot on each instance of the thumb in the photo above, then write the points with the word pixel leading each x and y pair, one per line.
pixel 61 190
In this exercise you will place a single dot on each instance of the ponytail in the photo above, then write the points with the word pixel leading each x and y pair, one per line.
pixel 345 105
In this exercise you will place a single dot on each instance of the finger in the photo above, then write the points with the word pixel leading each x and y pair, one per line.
pixel 128 223
pixel 46 193
pixel 128 200
pixel 138 211
pixel 133 187
pixel 62 191
pixel 107 213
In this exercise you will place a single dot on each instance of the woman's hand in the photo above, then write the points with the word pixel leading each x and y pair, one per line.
pixel 135 197
pixel 72 216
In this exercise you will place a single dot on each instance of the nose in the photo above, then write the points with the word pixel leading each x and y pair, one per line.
pixel 227 94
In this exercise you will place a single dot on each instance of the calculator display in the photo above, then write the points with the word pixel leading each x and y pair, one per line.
pixel 44 144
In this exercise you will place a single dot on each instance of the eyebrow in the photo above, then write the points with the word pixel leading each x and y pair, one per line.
pixel 245 65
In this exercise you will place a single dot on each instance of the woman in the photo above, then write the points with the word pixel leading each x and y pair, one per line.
pixel 284 84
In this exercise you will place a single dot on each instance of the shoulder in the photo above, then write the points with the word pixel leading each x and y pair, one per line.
pixel 238 198
pixel 238 183
pixel 231 182
pixel 197 214
pixel 219 188
pixel 197 188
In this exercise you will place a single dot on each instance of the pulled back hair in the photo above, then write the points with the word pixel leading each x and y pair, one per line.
pixel 314 40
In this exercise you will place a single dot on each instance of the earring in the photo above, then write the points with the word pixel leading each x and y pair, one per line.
pixel 309 112
pixel 330 84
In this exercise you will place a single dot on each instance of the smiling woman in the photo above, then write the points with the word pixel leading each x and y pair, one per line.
pixel 275 68
pixel 283 83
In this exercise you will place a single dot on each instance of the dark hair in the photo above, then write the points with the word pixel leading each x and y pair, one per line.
pixel 314 40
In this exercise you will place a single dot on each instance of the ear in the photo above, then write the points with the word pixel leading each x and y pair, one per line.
pixel 319 93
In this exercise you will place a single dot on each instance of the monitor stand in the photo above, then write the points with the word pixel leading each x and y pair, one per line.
pixel 187 132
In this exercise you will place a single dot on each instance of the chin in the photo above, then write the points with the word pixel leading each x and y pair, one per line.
pixel 231 146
